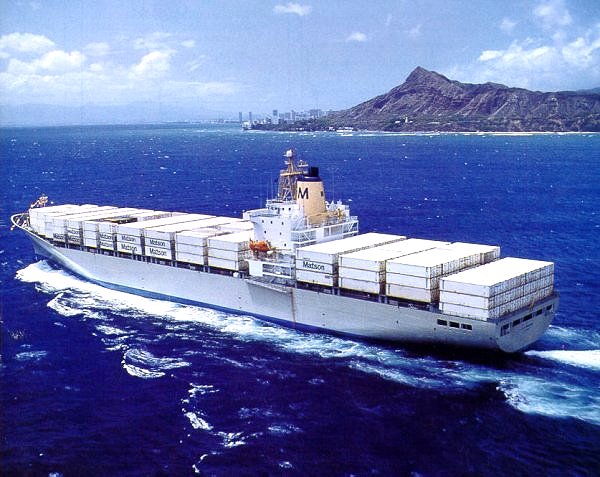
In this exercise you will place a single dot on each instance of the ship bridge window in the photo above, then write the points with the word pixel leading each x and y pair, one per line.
pixel 466 326
pixel 442 322
pixel 454 324
pixel 539 312
pixel 527 317
pixel 505 329
pixel 549 307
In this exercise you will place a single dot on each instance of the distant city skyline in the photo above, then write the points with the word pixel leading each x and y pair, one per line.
pixel 185 60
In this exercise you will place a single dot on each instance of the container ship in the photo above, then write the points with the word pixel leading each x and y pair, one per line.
pixel 301 261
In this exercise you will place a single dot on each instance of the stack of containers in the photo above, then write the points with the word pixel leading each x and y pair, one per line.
pixel 191 246
pixel 37 216
pixel 318 263
pixel 74 223
pixel 497 288
pixel 130 236
pixel 364 270
pixel 160 241
pixel 90 226
pixel 487 253
pixel 229 251
pixel 55 226
pixel 107 229
pixel 417 276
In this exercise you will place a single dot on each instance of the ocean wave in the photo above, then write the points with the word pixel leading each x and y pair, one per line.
pixel 197 422
pixel 535 395
pixel 143 364
pixel 589 359
pixel 575 338
pixel 522 388
pixel 30 355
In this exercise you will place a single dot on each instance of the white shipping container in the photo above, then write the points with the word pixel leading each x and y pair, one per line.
pixel 154 242
pixel 316 278
pixel 413 245
pixel 226 254
pixel 497 311
pixel 497 277
pixel 37 216
pixel 90 242
pixel 366 275
pixel 128 248
pixel 236 241
pixel 487 253
pixel 123 238
pixel 361 285
pixel 432 263
pixel 136 228
pixel 236 265
pixel 190 258
pixel 158 252
pixel 498 299
pixel 167 232
pixel 186 248
pixel 106 244
pixel 195 237
pixel 329 252
pixel 411 293
pixel 105 235
pixel 119 212
pixel 311 266
pixel 410 281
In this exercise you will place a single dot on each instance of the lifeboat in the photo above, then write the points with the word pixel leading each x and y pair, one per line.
pixel 259 246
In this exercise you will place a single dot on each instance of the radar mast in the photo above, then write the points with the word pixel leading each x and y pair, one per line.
pixel 288 177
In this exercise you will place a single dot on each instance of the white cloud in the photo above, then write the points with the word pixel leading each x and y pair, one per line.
pixel 582 52
pixel 25 43
pixel 56 62
pixel 195 64
pixel 153 41
pixel 357 36
pixel 488 55
pixel 97 49
pixel 32 74
pixel 553 13
pixel 295 8
pixel 507 25
pixel 155 63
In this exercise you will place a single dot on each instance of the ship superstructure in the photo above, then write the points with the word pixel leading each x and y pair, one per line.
pixel 297 217
pixel 300 261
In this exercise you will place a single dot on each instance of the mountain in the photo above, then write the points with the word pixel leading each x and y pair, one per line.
pixel 428 101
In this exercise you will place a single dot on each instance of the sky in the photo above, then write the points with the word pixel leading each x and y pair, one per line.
pixel 181 58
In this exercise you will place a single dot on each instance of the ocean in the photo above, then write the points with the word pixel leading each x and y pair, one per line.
pixel 100 382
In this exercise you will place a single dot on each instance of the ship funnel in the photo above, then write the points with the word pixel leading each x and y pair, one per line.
pixel 310 194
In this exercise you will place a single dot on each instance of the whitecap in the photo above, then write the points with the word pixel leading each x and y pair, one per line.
pixel 197 422
pixel 30 355
pixel 535 395
pixel 143 364
pixel 138 372
pixel 589 359
pixel 232 439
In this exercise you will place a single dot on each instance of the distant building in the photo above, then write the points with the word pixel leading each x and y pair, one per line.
pixel 250 117
pixel 241 117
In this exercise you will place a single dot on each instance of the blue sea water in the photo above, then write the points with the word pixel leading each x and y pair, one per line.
pixel 99 382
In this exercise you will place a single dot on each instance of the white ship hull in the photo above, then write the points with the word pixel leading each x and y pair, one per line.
pixel 298 307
